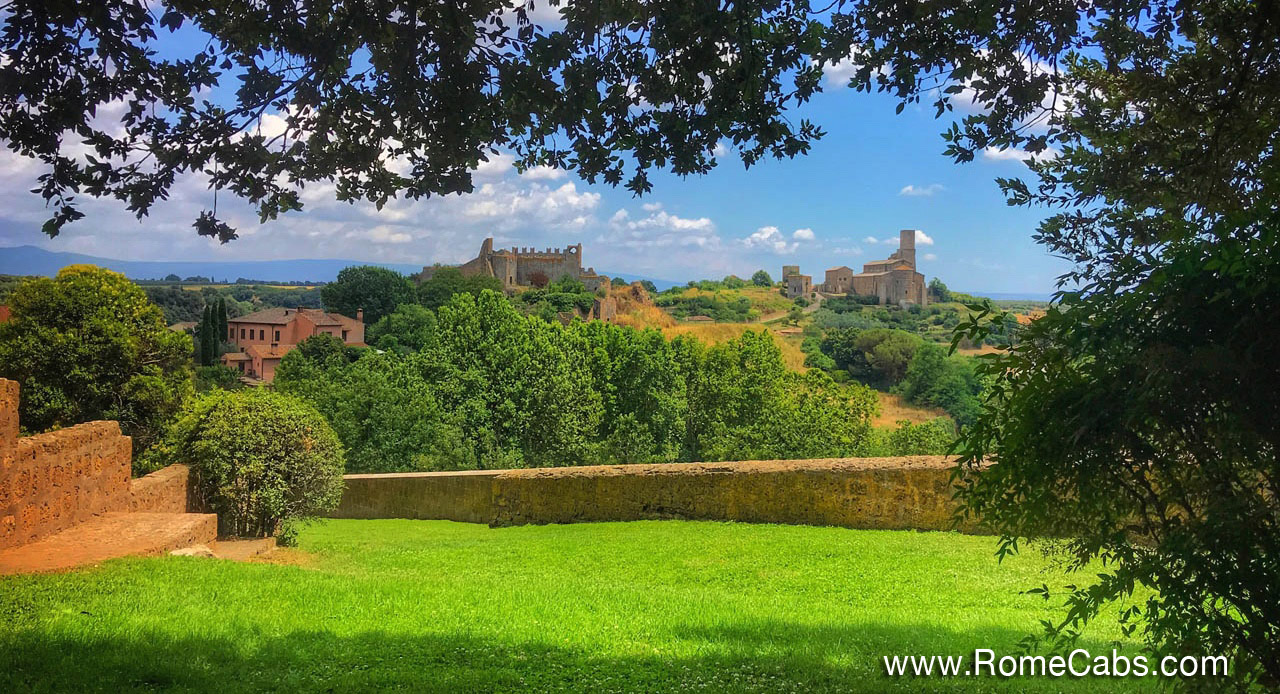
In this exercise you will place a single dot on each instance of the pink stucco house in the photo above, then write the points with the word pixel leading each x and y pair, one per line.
pixel 264 337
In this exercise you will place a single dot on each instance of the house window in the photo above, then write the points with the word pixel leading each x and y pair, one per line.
pixel 262 334
pixel 241 333
pixel 344 336
pixel 277 336
pixel 231 333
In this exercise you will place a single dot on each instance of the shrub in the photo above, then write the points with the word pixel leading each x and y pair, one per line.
pixel 217 377
pixel 259 459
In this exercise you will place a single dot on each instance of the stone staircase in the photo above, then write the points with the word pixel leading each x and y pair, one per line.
pixel 109 536
pixel 67 500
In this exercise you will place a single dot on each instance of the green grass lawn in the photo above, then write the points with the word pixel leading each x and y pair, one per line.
pixel 439 606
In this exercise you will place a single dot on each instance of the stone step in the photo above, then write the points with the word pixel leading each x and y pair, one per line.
pixel 108 536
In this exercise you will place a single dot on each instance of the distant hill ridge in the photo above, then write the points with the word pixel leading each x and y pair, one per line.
pixel 31 260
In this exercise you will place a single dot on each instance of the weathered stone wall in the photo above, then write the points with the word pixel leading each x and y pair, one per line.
pixel 167 490
pixel 52 481
pixel 465 496
pixel 891 493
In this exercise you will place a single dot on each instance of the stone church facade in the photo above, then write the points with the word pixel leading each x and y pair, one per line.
pixel 894 280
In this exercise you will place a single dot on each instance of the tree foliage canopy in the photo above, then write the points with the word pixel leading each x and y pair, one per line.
pixel 88 345
pixel 377 290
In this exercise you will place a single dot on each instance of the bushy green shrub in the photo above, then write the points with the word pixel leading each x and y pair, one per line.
pixel 217 377
pixel 259 459
pixel 933 437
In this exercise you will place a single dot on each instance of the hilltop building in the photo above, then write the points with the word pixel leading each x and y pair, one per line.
pixel 797 284
pixel 519 267
pixel 894 280
pixel 264 337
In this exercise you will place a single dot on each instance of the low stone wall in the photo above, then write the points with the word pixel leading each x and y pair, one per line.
pixel 51 481
pixel 167 490
pixel 891 493
pixel 465 496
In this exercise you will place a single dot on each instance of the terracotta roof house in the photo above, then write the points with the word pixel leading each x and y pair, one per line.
pixel 4 313
pixel 263 338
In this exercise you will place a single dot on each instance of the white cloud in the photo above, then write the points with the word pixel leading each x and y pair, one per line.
pixel 922 239
pixel 1013 154
pixel 921 191
pixel 651 206
pixel 930 256
pixel 871 239
pixel 660 229
pixel 853 250
pixel 802 234
pixel 771 239
pixel 381 234
pixel 544 173
pixel 838 74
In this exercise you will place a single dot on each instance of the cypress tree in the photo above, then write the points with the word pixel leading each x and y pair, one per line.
pixel 222 321
pixel 209 336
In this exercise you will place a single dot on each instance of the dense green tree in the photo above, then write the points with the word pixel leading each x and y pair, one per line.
pixel 523 386
pixel 381 408
pixel 878 357
pixel 323 348
pixel 933 379
pixel 407 328
pixel 207 335
pixel 448 281
pixel 88 344
pixel 178 304
pixel 220 313
pixel 744 404
pixel 642 393
pixel 938 291
pixel 377 290
pixel 762 279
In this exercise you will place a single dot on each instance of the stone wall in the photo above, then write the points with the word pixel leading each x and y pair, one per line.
pixel 167 490
pixel 465 496
pixel 51 481
pixel 890 493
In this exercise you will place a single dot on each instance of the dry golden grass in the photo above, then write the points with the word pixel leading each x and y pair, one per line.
pixel 715 333
pixel 975 351
pixel 893 410
pixel 641 317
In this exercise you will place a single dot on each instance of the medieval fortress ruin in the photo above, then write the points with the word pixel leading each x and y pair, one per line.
pixel 527 267
pixel 893 280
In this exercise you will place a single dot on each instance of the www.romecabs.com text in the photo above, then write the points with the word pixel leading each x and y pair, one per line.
pixel 1077 663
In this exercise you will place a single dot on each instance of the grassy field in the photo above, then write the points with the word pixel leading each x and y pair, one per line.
pixel 439 606
pixel 894 409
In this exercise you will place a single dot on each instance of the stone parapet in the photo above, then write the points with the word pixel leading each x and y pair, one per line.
pixel 57 479
pixel 889 493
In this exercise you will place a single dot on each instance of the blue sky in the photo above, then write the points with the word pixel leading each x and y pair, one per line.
pixel 874 173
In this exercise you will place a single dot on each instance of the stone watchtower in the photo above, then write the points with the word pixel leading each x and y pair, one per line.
pixel 907 246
